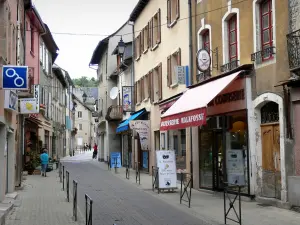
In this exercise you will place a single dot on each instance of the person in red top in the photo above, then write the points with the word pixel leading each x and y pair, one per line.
pixel 95 151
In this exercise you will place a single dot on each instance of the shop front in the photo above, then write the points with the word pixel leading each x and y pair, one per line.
pixel 133 152
pixel 174 139
pixel 217 111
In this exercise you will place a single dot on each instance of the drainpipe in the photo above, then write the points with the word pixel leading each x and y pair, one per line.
pixel 133 106
pixel 191 65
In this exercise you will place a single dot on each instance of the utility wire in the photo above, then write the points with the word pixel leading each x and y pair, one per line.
pixel 137 31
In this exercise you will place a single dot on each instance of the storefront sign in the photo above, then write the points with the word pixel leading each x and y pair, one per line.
pixel 232 98
pixel 28 106
pixel 166 162
pixel 192 118
pixel 235 167
pixel 11 100
pixel 143 128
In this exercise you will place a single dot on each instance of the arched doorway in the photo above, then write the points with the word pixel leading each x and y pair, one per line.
pixel 270 138
pixel 269 146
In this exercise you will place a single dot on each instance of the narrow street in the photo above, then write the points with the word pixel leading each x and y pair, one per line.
pixel 116 201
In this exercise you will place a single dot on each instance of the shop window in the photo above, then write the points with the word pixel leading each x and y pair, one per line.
pixel 270 113
pixel 173 61
pixel 206 40
pixel 177 141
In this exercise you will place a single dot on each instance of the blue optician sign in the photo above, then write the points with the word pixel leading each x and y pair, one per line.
pixel 15 77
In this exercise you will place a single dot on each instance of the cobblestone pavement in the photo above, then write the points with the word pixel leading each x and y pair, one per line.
pixel 41 202
pixel 121 203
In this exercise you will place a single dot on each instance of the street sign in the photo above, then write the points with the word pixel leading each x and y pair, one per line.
pixel 15 77
pixel 182 75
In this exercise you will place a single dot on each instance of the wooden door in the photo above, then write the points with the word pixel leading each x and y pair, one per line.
pixel 271 169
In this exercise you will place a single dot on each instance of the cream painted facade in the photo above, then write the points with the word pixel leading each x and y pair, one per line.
pixel 172 39
pixel 84 125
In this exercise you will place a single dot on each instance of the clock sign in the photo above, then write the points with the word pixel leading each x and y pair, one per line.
pixel 203 60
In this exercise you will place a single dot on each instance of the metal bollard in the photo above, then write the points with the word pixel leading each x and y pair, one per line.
pixel 68 185
pixel 75 200
pixel 63 180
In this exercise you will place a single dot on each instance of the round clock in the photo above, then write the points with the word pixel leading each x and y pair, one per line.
pixel 203 60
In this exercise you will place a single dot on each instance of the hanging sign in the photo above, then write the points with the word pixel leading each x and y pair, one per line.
pixel 166 162
pixel 28 106
pixel 127 98
pixel 36 95
pixel 10 100
pixel 143 128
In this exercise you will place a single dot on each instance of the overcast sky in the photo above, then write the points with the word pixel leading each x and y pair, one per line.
pixel 77 16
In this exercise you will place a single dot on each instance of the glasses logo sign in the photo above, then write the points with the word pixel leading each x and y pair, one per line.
pixel 165 156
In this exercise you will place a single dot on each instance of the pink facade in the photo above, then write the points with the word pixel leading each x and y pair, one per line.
pixel 10 44
pixel 34 30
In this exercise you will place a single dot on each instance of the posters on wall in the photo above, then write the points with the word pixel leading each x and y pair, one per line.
pixel 143 128
pixel 235 167
pixel 166 162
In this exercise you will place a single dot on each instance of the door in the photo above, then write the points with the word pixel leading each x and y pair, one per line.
pixel 145 159
pixel 271 171
pixel 211 160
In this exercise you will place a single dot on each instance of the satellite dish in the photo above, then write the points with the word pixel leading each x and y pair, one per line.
pixel 114 93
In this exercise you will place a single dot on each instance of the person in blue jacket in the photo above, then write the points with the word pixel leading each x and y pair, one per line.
pixel 44 160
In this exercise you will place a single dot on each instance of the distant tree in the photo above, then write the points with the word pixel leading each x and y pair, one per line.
pixel 85 82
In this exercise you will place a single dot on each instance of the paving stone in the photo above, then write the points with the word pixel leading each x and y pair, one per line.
pixel 41 202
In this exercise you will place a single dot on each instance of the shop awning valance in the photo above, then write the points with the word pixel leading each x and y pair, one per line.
pixel 124 125
pixel 190 109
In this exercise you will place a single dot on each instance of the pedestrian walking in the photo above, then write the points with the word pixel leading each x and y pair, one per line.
pixel 90 147
pixel 44 161
pixel 95 151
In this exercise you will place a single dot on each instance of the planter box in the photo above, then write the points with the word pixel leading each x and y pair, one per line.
pixel 36 172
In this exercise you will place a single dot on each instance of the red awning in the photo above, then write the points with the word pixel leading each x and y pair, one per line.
pixel 190 109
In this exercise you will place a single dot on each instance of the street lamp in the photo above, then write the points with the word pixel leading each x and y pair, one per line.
pixel 84 96
pixel 121 47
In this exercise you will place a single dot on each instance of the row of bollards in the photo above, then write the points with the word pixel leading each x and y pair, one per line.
pixel 65 177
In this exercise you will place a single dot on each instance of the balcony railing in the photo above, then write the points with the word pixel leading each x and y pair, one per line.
pixel 230 66
pixel 114 112
pixel 263 55
pixel 293 46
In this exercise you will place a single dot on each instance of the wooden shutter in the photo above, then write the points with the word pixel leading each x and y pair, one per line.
pixel 158 27
pixel 142 89
pixel 151 86
pixel 168 12
pixel 146 35
pixel 179 57
pixel 178 10
pixel 149 34
pixel 135 48
pixel 135 93
pixel 169 72
pixel 152 44
pixel 142 41
pixel 160 80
